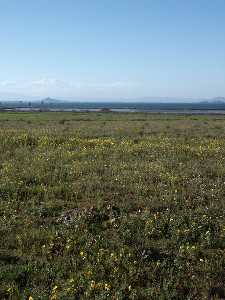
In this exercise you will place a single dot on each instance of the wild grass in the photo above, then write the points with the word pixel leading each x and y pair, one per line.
pixel 112 206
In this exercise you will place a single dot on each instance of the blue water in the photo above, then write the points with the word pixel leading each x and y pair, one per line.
pixel 194 108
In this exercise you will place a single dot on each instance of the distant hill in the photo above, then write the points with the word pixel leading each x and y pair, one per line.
pixel 147 100
pixel 216 100
pixel 219 99
pixel 51 100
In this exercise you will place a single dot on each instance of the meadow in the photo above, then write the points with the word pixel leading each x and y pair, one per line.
pixel 112 206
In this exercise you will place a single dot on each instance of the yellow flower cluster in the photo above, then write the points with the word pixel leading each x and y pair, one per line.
pixel 54 293
pixel 100 286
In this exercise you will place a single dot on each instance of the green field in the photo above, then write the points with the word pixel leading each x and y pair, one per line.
pixel 112 206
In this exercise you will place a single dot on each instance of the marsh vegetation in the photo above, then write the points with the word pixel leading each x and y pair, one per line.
pixel 112 206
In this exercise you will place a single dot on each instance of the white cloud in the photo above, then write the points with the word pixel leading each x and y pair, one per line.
pixel 52 82
pixel 69 88
pixel 7 83
pixel 49 82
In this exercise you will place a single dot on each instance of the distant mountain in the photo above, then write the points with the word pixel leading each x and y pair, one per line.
pixel 147 100
pixel 216 100
pixel 51 100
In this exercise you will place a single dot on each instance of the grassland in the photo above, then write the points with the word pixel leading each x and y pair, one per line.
pixel 112 206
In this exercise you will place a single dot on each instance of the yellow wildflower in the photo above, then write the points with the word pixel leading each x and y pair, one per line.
pixel 54 288
pixel 107 286
pixel 93 284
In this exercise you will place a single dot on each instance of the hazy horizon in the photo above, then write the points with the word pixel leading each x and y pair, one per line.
pixel 118 100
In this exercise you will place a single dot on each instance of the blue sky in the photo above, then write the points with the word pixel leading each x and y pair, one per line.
pixel 112 48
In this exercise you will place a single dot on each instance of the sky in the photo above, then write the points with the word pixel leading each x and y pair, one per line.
pixel 112 49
